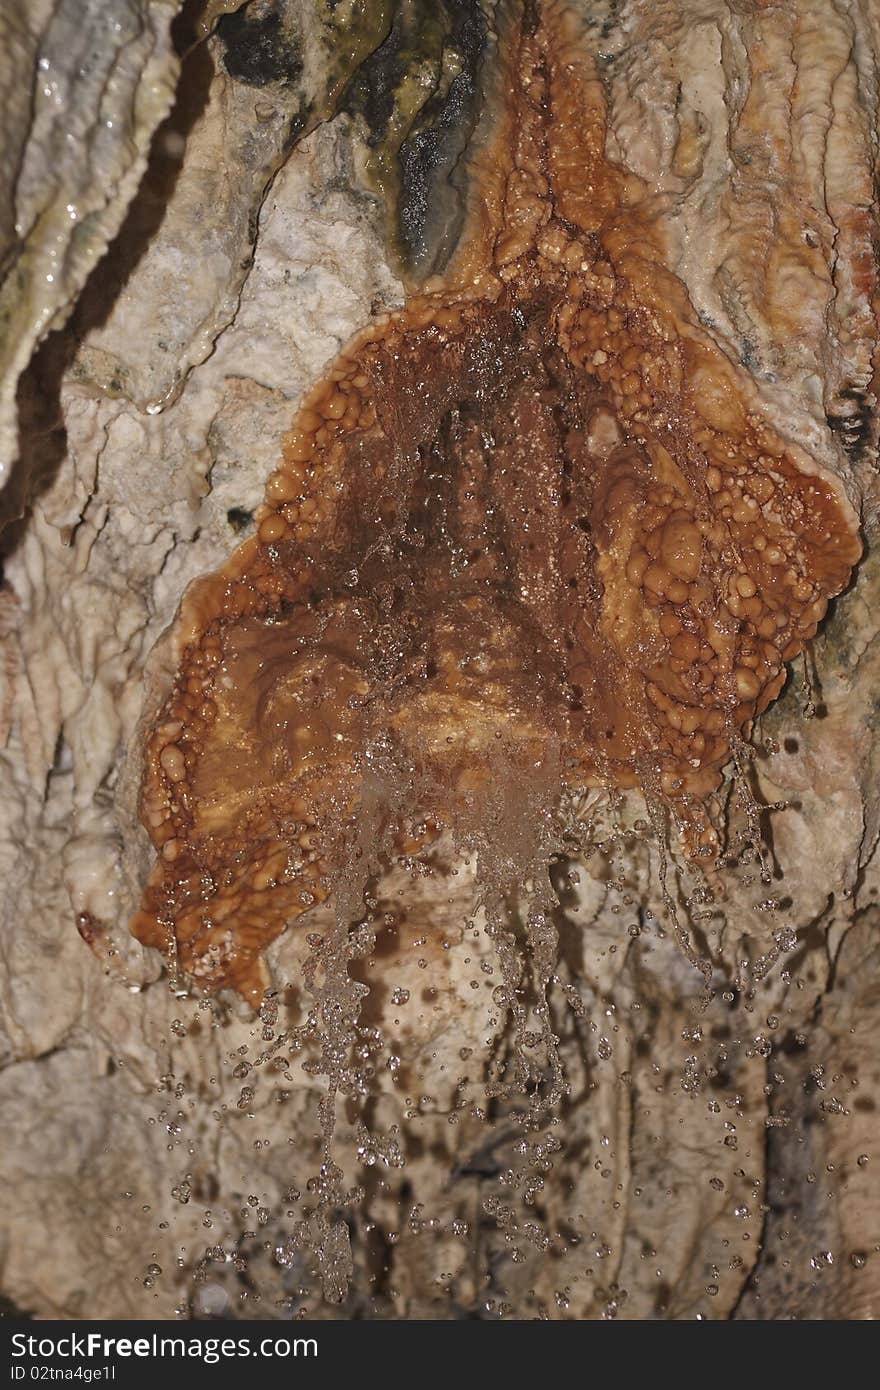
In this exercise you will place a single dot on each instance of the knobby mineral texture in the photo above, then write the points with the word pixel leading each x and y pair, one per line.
pixel 535 517
pixel 617 417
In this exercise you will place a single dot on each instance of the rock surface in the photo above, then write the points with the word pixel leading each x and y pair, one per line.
pixel 714 1160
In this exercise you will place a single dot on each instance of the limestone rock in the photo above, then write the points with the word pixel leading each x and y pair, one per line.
pixel 716 1159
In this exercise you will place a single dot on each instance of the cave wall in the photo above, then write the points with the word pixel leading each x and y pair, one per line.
pixel 242 192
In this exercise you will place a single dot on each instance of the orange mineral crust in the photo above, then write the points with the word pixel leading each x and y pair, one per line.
pixel 535 524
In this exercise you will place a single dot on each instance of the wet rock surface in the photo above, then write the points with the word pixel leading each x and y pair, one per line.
pixel 710 1159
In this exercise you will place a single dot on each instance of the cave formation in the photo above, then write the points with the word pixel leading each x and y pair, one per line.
pixel 439 803
pixel 533 518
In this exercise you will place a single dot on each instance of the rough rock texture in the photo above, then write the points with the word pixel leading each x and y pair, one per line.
pixel 75 147
pixel 714 1160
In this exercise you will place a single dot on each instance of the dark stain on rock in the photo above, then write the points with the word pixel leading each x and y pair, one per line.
pixel 296 126
pixel 419 136
pixel 371 91
pixel 239 518
pixel 258 48
pixel 432 151
pixel 850 419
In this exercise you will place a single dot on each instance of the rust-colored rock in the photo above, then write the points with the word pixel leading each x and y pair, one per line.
pixel 534 521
